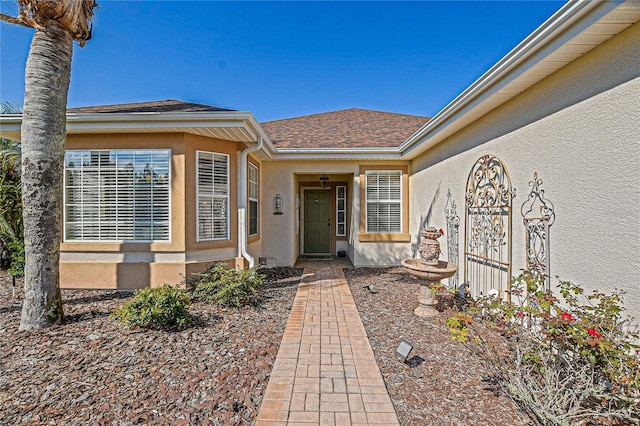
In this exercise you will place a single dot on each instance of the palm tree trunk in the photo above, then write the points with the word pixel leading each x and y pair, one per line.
pixel 43 141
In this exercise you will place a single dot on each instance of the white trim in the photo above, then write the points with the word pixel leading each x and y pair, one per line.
pixel 256 199
pixel 344 211
pixel 213 196
pixel 389 202
pixel 570 20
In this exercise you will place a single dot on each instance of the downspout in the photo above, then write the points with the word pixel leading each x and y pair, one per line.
pixel 242 203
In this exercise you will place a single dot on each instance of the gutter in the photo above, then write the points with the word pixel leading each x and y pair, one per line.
pixel 555 31
pixel 242 203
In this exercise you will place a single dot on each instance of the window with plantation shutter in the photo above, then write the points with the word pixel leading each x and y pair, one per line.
pixel 254 195
pixel 117 195
pixel 213 196
pixel 383 201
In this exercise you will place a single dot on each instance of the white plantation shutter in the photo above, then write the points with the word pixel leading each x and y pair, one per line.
pixel 254 193
pixel 213 195
pixel 384 200
pixel 117 195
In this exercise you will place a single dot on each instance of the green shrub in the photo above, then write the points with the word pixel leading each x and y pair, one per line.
pixel 16 248
pixel 564 360
pixel 157 308
pixel 226 287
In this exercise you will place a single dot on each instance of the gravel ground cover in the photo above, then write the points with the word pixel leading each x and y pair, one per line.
pixel 94 371
pixel 451 386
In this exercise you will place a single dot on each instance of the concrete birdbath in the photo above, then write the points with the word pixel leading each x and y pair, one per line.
pixel 429 270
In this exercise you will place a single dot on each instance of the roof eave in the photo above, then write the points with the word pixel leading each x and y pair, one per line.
pixel 482 96
pixel 345 154
pixel 241 126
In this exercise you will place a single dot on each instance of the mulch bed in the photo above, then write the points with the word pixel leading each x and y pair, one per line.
pixel 94 371
pixel 452 386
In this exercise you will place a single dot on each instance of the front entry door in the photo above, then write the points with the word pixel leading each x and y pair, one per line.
pixel 317 222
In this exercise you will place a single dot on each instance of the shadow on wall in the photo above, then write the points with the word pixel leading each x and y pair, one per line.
pixel 386 254
pixel 424 220
pixel 134 271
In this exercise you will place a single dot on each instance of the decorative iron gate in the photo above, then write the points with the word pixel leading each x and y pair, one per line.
pixel 538 215
pixel 453 223
pixel 488 228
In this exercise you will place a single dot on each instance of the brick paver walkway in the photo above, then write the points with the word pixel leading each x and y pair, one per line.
pixel 325 372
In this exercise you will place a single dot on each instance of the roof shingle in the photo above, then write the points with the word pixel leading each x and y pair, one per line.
pixel 170 105
pixel 349 128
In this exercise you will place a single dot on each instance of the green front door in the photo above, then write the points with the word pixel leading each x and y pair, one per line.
pixel 317 222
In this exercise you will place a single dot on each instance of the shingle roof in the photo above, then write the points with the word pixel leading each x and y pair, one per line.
pixel 155 106
pixel 349 128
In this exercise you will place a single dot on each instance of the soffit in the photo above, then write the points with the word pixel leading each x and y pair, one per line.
pixel 231 126
pixel 529 65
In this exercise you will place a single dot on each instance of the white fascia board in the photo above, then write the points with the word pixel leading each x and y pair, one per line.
pixel 337 154
pixel 10 126
pixel 128 121
pixel 570 20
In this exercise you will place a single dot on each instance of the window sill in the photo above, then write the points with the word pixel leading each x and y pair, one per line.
pixel 396 237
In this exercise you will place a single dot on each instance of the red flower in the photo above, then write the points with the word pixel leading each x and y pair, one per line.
pixel 566 316
pixel 520 314
pixel 441 231
pixel 594 333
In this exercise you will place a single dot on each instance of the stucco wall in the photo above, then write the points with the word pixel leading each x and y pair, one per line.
pixel 129 265
pixel 579 129
pixel 287 178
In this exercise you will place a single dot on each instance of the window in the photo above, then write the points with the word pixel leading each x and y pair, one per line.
pixel 341 210
pixel 254 193
pixel 213 196
pixel 383 192
pixel 117 195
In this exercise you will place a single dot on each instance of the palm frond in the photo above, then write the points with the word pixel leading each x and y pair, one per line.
pixel 74 15
pixel 5 228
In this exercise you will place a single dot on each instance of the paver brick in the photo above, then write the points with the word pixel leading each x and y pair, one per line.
pixel 325 371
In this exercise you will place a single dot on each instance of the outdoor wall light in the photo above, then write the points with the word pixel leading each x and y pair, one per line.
pixel 277 204
pixel 403 350
pixel 324 180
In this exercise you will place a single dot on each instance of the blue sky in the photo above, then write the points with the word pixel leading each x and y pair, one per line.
pixel 284 59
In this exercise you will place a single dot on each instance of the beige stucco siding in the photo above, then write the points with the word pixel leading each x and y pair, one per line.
pixel 291 178
pixel 580 130
pixel 128 265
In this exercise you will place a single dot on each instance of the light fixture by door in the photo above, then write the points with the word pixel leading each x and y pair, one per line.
pixel 277 204
pixel 324 181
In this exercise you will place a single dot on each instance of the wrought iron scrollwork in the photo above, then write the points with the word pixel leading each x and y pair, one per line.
pixel 453 223
pixel 488 227
pixel 538 215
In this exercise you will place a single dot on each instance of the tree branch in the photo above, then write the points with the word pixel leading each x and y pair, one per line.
pixel 13 20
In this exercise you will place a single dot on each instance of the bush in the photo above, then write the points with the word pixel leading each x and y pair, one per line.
pixel 16 249
pixel 157 308
pixel 565 361
pixel 226 287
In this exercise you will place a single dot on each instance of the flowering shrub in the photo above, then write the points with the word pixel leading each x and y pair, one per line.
pixel 565 360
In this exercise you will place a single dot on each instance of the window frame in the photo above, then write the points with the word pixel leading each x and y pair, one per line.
pixel 255 199
pixel 213 196
pixel 391 236
pixel 117 219
pixel 343 210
